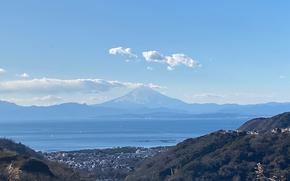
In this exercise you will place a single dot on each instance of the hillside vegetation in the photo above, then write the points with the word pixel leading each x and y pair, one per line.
pixel 221 156
pixel 267 124
pixel 20 163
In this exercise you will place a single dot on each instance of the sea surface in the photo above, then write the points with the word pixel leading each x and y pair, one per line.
pixel 54 135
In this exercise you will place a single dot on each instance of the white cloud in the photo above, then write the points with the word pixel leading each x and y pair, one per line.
pixel 127 52
pixel 2 71
pixel 232 98
pixel 149 68
pixel 48 85
pixel 179 58
pixel 24 75
pixel 39 101
pixel 48 98
pixel 208 96
pixel 48 91
pixel 153 86
pixel 171 60
pixel 170 68
pixel 153 56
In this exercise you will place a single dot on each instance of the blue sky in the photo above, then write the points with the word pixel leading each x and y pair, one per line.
pixel 239 50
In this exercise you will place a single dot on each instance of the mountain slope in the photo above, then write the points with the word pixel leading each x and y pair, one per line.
pixel 144 97
pixel 18 162
pixel 220 156
pixel 267 124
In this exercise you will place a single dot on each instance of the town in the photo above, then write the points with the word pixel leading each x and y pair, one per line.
pixel 105 163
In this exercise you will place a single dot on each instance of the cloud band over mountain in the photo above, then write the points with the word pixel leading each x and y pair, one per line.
pixel 47 91
pixel 48 85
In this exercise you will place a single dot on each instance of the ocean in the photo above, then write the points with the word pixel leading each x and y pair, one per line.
pixel 54 135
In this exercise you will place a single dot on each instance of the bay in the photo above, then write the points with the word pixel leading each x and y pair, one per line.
pixel 83 134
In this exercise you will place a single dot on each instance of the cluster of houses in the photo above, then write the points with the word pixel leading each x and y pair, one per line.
pixel 275 130
pixel 92 160
pixel 280 130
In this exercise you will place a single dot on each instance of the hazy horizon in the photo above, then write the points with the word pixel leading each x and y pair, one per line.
pixel 128 92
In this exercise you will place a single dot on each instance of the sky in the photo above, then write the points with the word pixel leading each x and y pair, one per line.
pixel 199 51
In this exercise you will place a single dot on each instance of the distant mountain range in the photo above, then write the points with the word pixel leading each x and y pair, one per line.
pixel 140 103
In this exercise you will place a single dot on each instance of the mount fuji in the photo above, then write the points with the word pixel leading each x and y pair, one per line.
pixel 145 97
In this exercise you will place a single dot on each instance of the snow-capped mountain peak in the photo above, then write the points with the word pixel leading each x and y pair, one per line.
pixel 144 97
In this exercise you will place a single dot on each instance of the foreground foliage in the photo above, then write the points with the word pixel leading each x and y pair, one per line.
pixel 20 163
